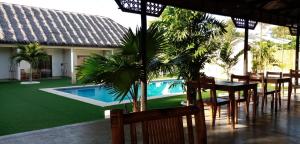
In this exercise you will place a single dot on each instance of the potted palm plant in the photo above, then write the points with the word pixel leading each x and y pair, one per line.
pixel 31 53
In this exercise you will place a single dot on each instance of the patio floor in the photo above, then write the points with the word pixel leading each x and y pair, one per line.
pixel 284 127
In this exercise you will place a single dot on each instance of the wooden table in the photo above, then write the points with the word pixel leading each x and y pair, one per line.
pixel 233 87
pixel 280 81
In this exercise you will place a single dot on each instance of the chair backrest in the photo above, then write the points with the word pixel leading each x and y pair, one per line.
pixel 256 77
pixel 240 78
pixel 161 126
pixel 274 74
pixel 208 83
pixel 191 86
pixel 295 74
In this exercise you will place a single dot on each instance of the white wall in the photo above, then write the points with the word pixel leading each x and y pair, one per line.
pixel 59 56
pixel 83 52
pixel 5 62
pixel 57 59
pixel 67 62
pixel 64 56
pixel 216 71
pixel 25 65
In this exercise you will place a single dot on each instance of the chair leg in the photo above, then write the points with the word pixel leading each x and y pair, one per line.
pixel 257 100
pixel 295 91
pixel 282 89
pixel 214 114
pixel 263 103
pixel 228 113
pixel 276 101
pixel 219 111
pixel 272 103
pixel 247 109
pixel 236 112
pixel 266 101
pixel 279 100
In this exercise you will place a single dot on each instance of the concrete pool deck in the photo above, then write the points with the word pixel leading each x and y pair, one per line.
pixel 95 132
pixel 284 127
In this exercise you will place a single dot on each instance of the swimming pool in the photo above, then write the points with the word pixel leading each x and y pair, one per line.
pixel 100 96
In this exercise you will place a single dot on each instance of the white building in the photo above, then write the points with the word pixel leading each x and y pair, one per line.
pixel 67 37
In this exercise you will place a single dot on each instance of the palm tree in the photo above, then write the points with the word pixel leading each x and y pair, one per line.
pixel 121 73
pixel 191 35
pixel 227 59
pixel 32 53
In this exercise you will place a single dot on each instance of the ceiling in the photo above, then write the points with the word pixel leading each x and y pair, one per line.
pixel 278 12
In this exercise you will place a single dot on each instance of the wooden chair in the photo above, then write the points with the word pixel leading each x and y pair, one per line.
pixel 275 93
pixel 246 94
pixel 276 75
pixel 213 101
pixel 161 126
pixel 263 91
pixel 295 75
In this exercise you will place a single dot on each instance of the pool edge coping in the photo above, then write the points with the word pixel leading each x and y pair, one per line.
pixel 92 101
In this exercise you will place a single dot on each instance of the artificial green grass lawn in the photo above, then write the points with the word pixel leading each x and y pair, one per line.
pixel 25 107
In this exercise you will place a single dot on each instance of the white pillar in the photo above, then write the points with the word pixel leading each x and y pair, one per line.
pixel 18 72
pixel 18 69
pixel 73 64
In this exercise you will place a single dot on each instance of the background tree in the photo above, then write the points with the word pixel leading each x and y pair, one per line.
pixel 191 38
pixel 284 33
pixel 263 55
pixel 281 32
pixel 231 33
pixel 227 59
pixel 32 53
pixel 121 73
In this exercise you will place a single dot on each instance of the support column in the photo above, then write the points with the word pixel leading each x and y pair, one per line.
pixel 143 55
pixel 73 63
pixel 246 46
pixel 18 68
pixel 297 52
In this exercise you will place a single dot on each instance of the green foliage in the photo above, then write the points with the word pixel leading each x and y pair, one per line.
pixel 263 55
pixel 227 59
pixel 121 73
pixel 32 53
pixel 191 36
pixel 231 33
pixel 281 32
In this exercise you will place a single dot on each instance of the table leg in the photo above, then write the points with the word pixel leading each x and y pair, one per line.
pixel 255 98
pixel 232 107
pixel 289 94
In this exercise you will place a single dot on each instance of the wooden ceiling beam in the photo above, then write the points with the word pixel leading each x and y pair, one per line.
pixel 236 8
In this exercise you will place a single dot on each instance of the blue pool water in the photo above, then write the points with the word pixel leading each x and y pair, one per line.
pixel 155 88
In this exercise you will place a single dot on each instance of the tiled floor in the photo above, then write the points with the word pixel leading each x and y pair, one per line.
pixel 283 127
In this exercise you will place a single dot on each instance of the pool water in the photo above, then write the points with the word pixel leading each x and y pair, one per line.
pixel 154 89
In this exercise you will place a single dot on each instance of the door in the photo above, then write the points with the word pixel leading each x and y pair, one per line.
pixel 45 67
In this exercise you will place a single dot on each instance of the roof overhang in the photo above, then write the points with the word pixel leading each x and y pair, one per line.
pixel 277 12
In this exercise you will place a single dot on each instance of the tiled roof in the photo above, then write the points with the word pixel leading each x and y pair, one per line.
pixel 24 24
